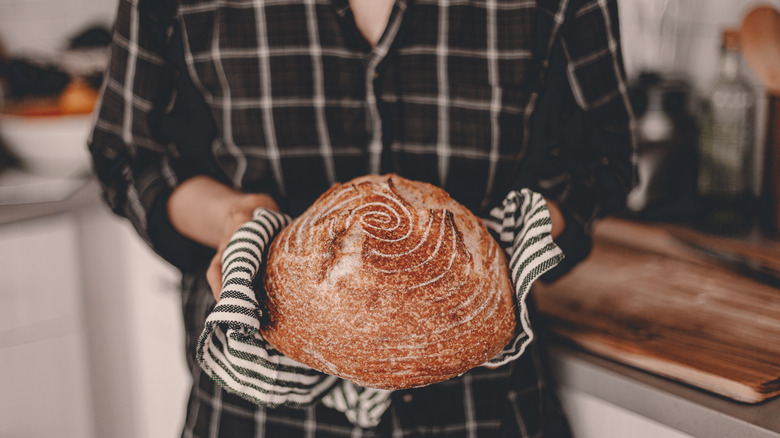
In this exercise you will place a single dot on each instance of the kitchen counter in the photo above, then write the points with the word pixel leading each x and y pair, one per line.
pixel 656 321
pixel 681 407
pixel 127 317
pixel 30 197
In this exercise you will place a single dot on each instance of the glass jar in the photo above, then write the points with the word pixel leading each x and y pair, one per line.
pixel 726 147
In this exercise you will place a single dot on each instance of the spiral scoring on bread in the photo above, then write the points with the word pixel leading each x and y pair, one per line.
pixel 393 245
pixel 392 280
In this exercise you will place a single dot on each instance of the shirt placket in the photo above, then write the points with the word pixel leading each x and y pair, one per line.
pixel 378 54
pixel 373 60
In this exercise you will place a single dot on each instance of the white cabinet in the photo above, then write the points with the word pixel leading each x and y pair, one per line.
pixel 142 382
pixel 39 272
pixel 157 341
pixel 591 417
pixel 44 366
pixel 91 332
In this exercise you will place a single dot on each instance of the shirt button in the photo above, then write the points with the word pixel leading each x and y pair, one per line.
pixel 407 398
pixel 376 75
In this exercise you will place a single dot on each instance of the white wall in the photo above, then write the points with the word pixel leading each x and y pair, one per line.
pixel 689 39
pixel 688 42
pixel 46 25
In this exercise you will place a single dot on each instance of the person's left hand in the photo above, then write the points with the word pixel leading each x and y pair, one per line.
pixel 557 218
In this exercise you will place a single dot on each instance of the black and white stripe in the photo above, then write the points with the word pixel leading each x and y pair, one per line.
pixel 233 351
pixel 231 348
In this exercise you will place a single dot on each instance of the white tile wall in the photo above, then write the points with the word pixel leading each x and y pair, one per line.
pixel 688 42
pixel 46 25
pixel 688 37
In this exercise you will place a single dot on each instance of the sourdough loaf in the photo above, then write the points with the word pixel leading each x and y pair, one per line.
pixel 389 283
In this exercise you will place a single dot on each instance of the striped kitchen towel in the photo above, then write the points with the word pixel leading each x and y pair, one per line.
pixel 234 353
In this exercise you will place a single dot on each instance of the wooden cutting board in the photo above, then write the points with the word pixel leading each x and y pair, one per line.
pixel 645 299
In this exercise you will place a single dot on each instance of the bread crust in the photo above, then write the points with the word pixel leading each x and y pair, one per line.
pixel 389 283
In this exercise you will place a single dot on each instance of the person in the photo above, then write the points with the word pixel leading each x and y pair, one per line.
pixel 213 108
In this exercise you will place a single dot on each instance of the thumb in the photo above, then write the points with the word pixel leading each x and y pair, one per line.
pixel 214 275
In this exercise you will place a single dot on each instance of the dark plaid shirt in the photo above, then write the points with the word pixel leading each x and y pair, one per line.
pixel 286 97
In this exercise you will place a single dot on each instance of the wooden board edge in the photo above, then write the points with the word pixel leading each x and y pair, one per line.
pixel 700 379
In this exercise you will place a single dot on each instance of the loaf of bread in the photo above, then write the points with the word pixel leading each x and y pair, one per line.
pixel 389 283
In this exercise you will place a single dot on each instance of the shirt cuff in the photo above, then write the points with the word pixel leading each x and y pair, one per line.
pixel 180 251
pixel 575 243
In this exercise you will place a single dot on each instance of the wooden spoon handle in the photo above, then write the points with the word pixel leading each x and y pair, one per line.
pixel 760 40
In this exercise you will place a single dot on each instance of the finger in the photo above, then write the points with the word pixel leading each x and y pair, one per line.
pixel 214 275
pixel 253 201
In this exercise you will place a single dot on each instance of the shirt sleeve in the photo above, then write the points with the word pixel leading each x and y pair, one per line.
pixel 586 129
pixel 136 166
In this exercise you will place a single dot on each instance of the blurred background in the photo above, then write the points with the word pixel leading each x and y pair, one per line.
pixel 91 343
pixel 91 338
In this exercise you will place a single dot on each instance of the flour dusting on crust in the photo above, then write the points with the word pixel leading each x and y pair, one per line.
pixel 389 283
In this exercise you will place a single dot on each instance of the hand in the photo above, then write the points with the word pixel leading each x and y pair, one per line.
pixel 239 215
pixel 558 220
pixel 209 212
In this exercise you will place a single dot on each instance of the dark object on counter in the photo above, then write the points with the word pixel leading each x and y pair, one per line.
pixel 7 159
pixel 25 78
pixel 726 147
pixel 760 34
pixel 744 258
pixel 770 191
pixel 94 81
pixel 95 36
pixel 667 139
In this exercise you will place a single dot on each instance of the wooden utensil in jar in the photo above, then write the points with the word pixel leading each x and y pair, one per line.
pixel 760 40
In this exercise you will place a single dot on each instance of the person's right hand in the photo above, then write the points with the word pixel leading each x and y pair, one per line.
pixel 209 212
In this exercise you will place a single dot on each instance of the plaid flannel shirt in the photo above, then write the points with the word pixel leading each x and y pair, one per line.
pixel 286 97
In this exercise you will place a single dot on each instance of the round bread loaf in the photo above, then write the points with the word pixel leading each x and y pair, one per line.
pixel 389 283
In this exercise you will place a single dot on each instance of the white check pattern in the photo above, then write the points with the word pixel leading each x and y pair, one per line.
pixel 257 76
pixel 233 351
pixel 474 117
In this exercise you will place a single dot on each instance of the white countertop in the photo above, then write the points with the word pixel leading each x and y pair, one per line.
pixel 25 196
